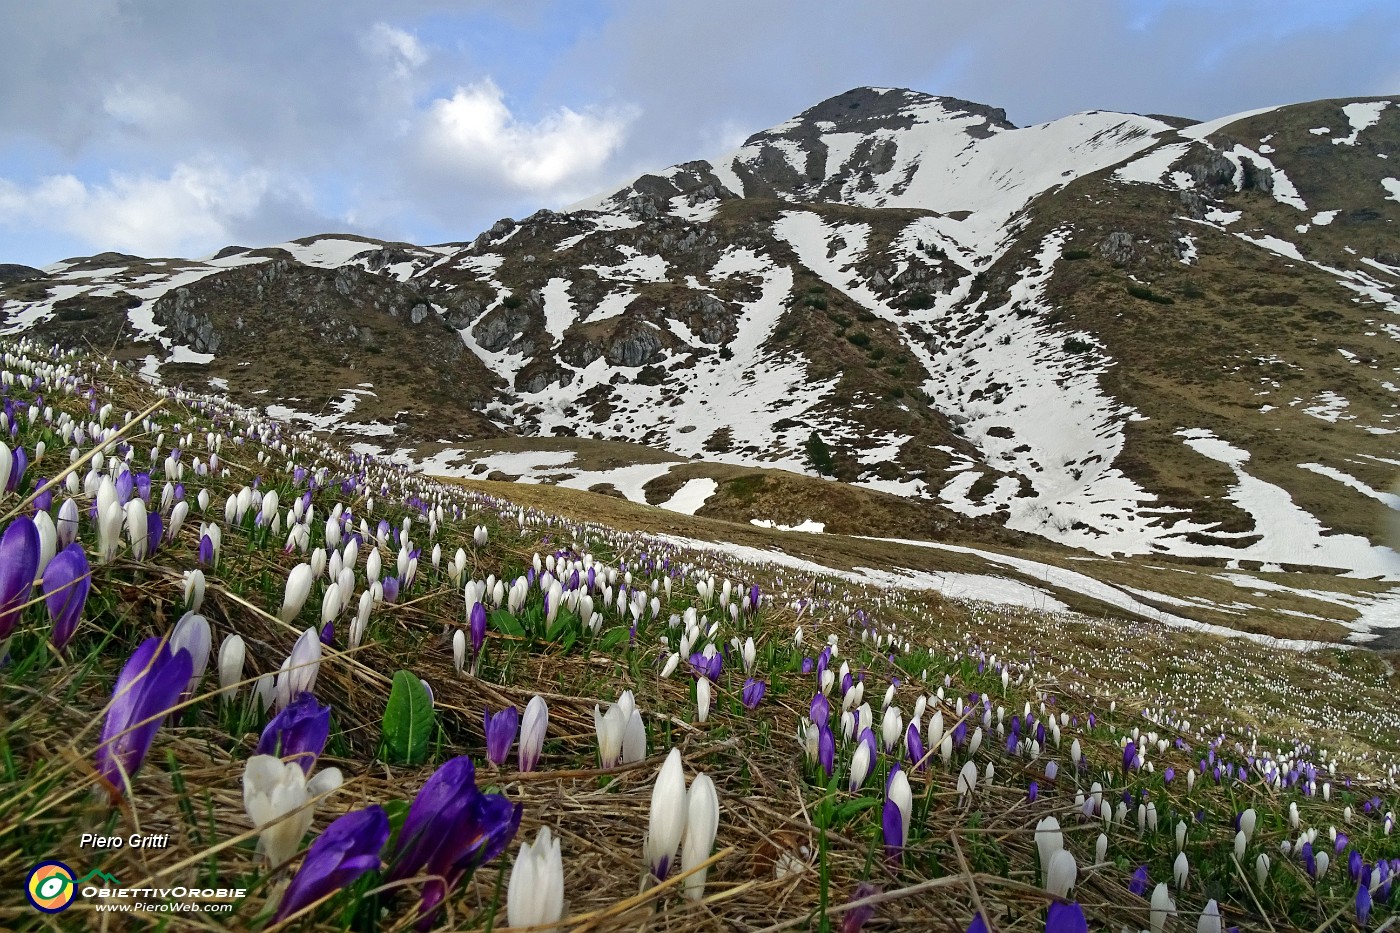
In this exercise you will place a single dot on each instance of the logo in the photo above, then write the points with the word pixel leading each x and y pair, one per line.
pixel 51 886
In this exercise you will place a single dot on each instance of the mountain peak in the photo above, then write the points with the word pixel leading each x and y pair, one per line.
pixel 868 109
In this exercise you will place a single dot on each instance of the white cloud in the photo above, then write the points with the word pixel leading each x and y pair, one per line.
pixel 197 204
pixel 398 45
pixel 474 134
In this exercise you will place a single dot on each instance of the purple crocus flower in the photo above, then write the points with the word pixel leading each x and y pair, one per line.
pixel 1129 755
pixel 978 924
pixel 19 465
pixel 867 736
pixel 206 551
pixel 298 732
pixel 820 710
pixel 477 627
pixel 146 689
pixel 337 859
pixel 391 589
pixel 44 500
pixel 500 734
pixel 826 750
pixel 892 822
pixel 1140 881
pixel 808 665
pixel 1363 904
pixel 451 829
pixel 19 564
pixel 155 532
pixel 1032 792
pixel 914 743
pixel 66 584
pixel 853 921
pixel 328 634
pixel 124 485
pixel 1168 775
pixel 752 694
pixel 1065 918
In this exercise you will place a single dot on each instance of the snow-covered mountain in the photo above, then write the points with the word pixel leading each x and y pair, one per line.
pixel 1120 333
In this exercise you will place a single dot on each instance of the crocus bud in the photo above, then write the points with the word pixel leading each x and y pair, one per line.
pixel 459 651
pixel 1062 873
pixel 347 849
pixel 535 896
pixel 19 565
pixel 702 698
pixel 231 656
pixel 1210 918
pixel 900 793
pixel 66 584
pixel 702 822
pixel 533 727
pixel 1162 908
pixel 66 528
pixel 1180 869
pixel 194 585
pixel 967 779
pixel 861 763
pixel 298 674
pixel 1048 840
pixel 192 633
pixel 1248 820
pixel 137 528
pixel 668 816
pixel 500 732
pixel 146 691
pixel 298 732
pixel 298 588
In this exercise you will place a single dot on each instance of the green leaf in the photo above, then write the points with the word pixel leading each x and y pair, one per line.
pixel 408 720
pixel 848 810
pixel 504 622
pixel 614 638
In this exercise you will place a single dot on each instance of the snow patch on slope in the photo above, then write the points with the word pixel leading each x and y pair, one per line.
pixel 1288 534
pixel 745 394
pixel 1362 116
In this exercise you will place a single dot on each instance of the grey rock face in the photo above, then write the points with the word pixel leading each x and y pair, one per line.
pixel 501 326
pixel 1117 247
pixel 636 345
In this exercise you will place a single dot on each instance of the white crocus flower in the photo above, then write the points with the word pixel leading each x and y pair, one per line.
pixel 297 590
pixel 275 798
pixel 668 816
pixel 535 896
pixel 231 657
pixel 702 822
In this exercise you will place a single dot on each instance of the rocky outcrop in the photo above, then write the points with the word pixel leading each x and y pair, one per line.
pixel 231 309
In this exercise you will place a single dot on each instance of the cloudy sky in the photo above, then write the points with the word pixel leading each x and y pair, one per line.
pixel 165 127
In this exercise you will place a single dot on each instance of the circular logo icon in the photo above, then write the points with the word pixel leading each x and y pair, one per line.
pixel 50 887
